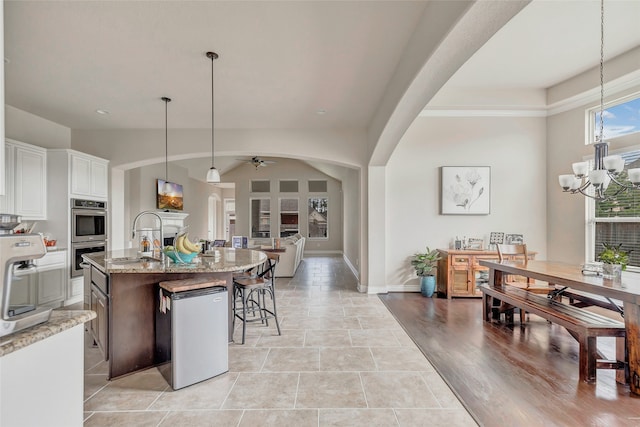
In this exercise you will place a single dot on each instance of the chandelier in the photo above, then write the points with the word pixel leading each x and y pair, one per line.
pixel 608 169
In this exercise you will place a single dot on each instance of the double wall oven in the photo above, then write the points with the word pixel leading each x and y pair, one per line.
pixel 88 230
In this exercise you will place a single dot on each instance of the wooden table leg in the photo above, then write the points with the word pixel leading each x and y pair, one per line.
pixel 632 325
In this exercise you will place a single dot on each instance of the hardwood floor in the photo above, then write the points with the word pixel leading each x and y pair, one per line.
pixel 512 375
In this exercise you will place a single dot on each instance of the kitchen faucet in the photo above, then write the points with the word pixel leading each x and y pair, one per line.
pixel 143 213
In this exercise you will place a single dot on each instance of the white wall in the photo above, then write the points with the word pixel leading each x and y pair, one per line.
pixel 515 150
pixel 140 185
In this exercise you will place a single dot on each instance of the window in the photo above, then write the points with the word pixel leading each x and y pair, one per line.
pixel 318 216
pixel 260 218
pixel 317 186
pixel 616 221
pixel 260 186
pixel 620 119
pixel 288 186
pixel 289 217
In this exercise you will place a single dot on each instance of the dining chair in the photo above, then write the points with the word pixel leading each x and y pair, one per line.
pixel 250 293
pixel 518 252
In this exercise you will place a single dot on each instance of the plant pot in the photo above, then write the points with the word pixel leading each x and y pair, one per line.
pixel 427 285
pixel 612 271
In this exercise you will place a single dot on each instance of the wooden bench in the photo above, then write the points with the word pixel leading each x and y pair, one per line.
pixel 583 325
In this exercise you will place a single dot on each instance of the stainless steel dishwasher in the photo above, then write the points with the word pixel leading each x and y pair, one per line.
pixel 191 331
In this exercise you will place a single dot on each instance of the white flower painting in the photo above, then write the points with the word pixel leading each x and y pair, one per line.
pixel 465 190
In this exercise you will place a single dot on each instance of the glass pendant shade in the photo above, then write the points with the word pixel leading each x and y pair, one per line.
pixel 634 175
pixel 569 182
pixel 613 164
pixel 580 169
pixel 213 175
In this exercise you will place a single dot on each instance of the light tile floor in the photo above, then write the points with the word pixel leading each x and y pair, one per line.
pixel 342 360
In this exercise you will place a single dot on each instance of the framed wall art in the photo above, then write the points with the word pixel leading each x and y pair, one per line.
pixel 465 190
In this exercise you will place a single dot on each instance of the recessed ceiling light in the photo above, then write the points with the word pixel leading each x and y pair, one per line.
pixel 321 112
pixel 103 112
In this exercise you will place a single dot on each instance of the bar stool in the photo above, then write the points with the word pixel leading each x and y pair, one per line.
pixel 250 295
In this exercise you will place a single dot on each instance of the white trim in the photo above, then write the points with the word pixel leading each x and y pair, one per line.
pixel 403 288
pixel 327 252
pixel 611 88
pixel 452 112
pixel 624 83
pixel 351 267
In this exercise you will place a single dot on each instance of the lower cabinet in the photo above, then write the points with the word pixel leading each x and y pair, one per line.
pixel 44 285
pixel 99 302
pixel 23 289
pixel 51 287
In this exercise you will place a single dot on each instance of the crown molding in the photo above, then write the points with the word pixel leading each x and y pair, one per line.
pixel 453 112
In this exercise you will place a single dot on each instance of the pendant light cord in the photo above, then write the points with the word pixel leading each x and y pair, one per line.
pixel 166 143
pixel 213 56
pixel 601 138
pixel 166 139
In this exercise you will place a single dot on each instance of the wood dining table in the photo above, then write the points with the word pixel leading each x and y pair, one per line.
pixel 561 274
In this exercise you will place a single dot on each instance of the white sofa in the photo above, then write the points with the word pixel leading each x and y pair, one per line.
pixel 289 259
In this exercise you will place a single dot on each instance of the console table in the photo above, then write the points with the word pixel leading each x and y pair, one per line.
pixel 460 272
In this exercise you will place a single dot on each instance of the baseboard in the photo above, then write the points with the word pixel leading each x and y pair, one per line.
pixel 351 267
pixel 312 252
pixel 73 300
pixel 403 288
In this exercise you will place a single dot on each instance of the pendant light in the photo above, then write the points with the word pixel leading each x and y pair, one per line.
pixel 213 175
pixel 166 188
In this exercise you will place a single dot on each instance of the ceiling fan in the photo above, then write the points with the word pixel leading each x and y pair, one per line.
pixel 257 162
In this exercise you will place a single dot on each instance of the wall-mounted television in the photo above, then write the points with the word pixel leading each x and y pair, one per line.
pixel 169 196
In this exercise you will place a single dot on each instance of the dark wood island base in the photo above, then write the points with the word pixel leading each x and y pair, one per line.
pixel 133 301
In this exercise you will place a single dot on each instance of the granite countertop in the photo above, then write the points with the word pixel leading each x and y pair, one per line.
pixel 218 260
pixel 60 321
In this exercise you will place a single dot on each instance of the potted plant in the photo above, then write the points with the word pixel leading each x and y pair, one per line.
pixel 424 263
pixel 614 260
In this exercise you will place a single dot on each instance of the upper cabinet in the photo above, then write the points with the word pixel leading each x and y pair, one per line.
pixel 89 176
pixel 26 181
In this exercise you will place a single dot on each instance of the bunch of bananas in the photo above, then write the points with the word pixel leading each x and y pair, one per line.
pixel 186 246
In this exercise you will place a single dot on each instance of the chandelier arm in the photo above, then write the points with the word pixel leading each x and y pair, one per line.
pixel 585 194
pixel 624 185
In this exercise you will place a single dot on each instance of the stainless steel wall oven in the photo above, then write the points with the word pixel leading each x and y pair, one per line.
pixel 83 248
pixel 88 220
pixel 88 231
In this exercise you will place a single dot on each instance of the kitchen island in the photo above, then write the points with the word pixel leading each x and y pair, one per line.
pixel 132 295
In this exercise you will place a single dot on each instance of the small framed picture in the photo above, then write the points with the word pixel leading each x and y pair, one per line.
pixel 475 243
pixel 496 237
pixel 513 239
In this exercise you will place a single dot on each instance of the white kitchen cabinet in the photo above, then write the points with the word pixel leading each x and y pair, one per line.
pixel 51 287
pixel 23 289
pixel 46 284
pixel 51 278
pixel 75 291
pixel 89 176
pixel 26 181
